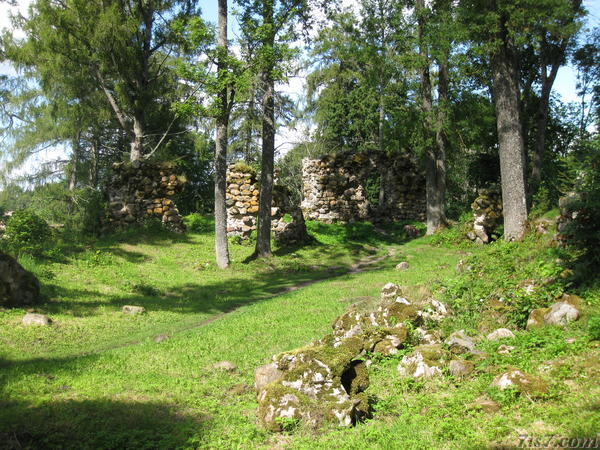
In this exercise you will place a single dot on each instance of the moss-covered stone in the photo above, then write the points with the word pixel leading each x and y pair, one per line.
pixel 425 361
pixel 536 318
pixel 525 383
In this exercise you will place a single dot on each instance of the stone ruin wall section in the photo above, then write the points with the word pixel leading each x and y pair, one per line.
pixel 142 190
pixel 334 188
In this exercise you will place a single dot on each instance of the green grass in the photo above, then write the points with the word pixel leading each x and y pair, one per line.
pixel 167 395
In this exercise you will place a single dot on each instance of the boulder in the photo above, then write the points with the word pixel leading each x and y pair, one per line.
pixel 523 382
pixel 458 342
pixel 424 362
pixel 561 313
pixel 500 333
pixel 18 287
pixel 536 318
pixel 36 319
pixel 460 368
pixel 133 310
pixel 314 384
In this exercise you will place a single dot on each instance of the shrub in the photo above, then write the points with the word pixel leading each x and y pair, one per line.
pixel 594 328
pixel 197 223
pixel 26 232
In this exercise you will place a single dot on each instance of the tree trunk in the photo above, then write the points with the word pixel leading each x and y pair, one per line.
pixel 93 175
pixel 381 150
pixel 74 162
pixel 442 144
pixel 510 138
pixel 137 138
pixel 263 240
pixel 221 244
pixel 434 208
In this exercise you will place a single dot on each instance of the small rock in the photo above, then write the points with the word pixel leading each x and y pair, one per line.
pixel 524 382
pixel 460 368
pixel 133 310
pixel 160 338
pixel 570 340
pixel 266 374
pixel 500 333
pixel 36 319
pixel 425 362
pixel 426 337
pixel 390 291
pixel 486 404
pixel 561 314
pixel 403 266
pixel 227 366
pixel 459 342
pixel 505 349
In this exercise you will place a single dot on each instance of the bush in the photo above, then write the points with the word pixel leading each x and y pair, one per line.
pixel 594 328
pixel 197 223
pixel 26 232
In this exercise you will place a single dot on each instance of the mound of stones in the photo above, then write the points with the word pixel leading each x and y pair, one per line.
pixel 326 380
pixel 140 190
pixel 487 215
pixel 18 287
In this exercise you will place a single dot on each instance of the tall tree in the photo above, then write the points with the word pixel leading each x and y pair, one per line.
pixel 271 24
pixel 554 37
pixel 221 243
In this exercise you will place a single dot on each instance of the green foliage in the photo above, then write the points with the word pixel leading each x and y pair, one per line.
pixel 241 166
pixel 594 328
pixel 198 223
pixel 583 232
pixel 455 234
pixel 26 232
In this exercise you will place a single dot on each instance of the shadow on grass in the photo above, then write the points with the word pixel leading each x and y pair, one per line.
pixel 94 424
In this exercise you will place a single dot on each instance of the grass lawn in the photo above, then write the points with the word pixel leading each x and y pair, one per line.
pixel 97 378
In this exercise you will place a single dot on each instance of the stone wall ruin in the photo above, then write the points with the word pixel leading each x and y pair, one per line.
pixel 242 199
pixel 140 190
pixel 335 188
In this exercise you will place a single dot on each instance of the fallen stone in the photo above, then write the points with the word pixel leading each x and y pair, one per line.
pixel 36 319
pixel 402 266
pixel 500 333
pixel 424 362
pixel 227 366
pixel 461 368
pixel 425 337
pixel 561 314
pixel 486 404
pixel 133 310
pixel 317 383
pixel 536 318
pixel 505 349
pixel 435 310
pixel 390 291
pixel 458 342
pixel 266 374
pixel 523 382
pixel 161 338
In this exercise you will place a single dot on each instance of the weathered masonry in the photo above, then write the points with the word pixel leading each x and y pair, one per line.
pixel 348 187
pixel 142 190
pixel 242 207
